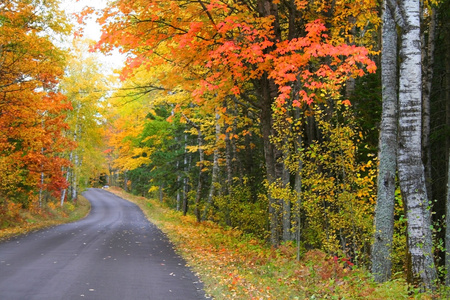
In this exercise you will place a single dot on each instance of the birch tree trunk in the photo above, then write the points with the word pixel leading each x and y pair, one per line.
pixel 215 171
pixel 200 174
pixel 410 166
pixel 75 178
pixel 63 194
pixel 179 184
pixel 186 178
pixel 387 153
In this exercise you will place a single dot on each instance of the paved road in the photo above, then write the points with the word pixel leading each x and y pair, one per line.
pixel 114 253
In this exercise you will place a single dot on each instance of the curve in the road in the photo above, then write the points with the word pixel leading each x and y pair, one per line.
pixel 114 253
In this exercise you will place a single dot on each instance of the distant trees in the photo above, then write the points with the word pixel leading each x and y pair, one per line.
pixel 235 63
pixel 240 112
pixel 85 87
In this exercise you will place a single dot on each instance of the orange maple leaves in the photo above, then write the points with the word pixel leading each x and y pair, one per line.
pixel 31 119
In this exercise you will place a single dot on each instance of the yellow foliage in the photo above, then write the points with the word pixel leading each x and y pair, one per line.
pixel 13 209
pixel 338 196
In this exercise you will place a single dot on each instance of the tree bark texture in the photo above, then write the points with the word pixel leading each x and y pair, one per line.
pixel 215 171
pixel 200 174
pixel 270 160
pixel 410 166
pixel 428 46
pixel 184 205
pixel 387 154
pixel 268 92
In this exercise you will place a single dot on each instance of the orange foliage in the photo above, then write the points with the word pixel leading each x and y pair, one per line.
pixel 217 48
pixel 31 119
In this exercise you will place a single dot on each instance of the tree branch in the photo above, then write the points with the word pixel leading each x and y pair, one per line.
pixel 396 13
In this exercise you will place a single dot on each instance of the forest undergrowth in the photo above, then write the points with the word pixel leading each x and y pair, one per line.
pixel 15 220
pixel 234 265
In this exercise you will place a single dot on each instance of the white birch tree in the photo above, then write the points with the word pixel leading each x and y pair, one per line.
pixel 384 210
pixel 411 172
pixel 410 166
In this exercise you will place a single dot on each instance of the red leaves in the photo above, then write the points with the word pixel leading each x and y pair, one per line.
pixel 286 62
pixel 219 49
pixel 32 118
pixel 294 61
pixel 347 103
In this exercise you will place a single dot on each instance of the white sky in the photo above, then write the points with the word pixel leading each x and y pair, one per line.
pixel 92 30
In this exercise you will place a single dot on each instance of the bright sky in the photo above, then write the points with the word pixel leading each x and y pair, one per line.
pixel 92 30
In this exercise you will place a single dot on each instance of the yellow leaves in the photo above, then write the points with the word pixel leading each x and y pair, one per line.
pixel 301 4
pixel 337 191
pixel 132 158
pixel 32 111
pixel 153 189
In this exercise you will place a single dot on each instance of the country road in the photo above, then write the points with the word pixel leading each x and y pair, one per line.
pixel 114 253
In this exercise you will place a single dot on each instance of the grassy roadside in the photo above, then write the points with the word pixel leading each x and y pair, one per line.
pixel 51 215
pixel 233 265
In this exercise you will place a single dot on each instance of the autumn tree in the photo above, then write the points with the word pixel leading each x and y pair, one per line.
pixel 254 52
pixel 31 119
pixel 411 172
pixel 85 86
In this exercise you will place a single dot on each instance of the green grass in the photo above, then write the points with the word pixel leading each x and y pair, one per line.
pixel 51 215
pixel 234 265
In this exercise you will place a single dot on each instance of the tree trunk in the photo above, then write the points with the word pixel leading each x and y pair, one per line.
pixel 63 194
pixel 287 222
pixel 161 193
pixel 387 154
pixel 200 174
pixel 410 166
pixel 41 189
pixel 75 178
pixel 125 181
pixel 179 184
pixel 447 94
pixel 270 159
pixel 298 182
pixel 286 202
pixel 427 78
pixel 230 152
pixel 186 178
pixel 268 92
pixel 215 171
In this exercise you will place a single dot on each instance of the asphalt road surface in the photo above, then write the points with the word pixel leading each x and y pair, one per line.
pixel 114 253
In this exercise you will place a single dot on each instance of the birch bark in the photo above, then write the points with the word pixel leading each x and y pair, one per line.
pixel 410 166
pixel 215 171
pixel 384 210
